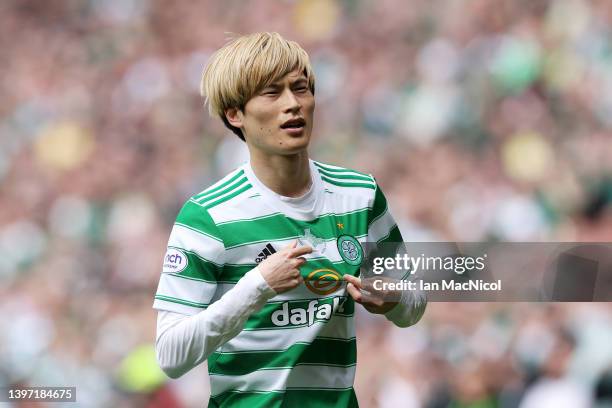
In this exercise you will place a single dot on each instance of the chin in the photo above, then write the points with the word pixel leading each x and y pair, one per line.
pixel 295 144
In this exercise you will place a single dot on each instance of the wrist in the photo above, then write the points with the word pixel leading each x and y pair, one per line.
pixel 260 283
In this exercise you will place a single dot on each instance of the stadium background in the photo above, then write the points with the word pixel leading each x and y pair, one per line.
pixel 482 120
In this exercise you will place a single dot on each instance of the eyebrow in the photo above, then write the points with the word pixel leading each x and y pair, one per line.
pixel 300 80
pixel 277 84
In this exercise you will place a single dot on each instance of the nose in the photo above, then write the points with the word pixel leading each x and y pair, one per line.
pixel 291 103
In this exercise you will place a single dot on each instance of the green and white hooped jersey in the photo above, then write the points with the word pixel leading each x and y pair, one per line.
pixel 300 349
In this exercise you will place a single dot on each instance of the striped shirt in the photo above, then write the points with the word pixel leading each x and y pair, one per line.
pixel 300 348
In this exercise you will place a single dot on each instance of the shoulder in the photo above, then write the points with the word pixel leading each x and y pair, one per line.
pixel 232 197
pixel 223 190
pixel 198 211
pixel 345 180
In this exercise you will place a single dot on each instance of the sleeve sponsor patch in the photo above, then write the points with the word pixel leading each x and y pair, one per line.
pixel 175 260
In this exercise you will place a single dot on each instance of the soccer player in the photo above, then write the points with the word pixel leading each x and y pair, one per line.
pixel 260 273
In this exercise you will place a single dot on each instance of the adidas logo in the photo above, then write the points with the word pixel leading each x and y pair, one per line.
pixel 266 252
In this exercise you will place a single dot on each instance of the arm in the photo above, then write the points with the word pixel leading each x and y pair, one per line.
pixel 184 342
pixel 409 308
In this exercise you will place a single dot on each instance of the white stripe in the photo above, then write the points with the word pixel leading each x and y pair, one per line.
pixel 338 327
pixel 246 254
pixel 247 209
pixel 186 289
pixel 204 246
pixel 343 203
pixel 300 377
pixel 262 380
pixel 381 227
pixel 300 292
pixel 311 376
pixel 159 304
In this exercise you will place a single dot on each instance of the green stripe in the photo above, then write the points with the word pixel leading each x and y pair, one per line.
pixel 220 186
pixel 196 218
pixel 199 268
pixel 338 353
pixel 345 176
pixel 232 273
pixel 394 235
pixel 263 319
pixel 340 170
pixel 278 227
pixel 311 398
pixel 210 205
pixel 203 201
pixel 379 206
pixel 340 184
pixel 181 301
pixel 251 399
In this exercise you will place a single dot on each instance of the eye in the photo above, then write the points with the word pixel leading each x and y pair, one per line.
pixel 301 89
pixel 270 92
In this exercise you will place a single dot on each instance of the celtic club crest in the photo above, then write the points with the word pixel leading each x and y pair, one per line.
pixel 350 250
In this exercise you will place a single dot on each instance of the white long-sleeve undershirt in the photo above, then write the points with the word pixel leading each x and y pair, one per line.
pixel 183 342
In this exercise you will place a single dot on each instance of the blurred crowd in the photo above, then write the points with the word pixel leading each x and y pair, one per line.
pixel 482 120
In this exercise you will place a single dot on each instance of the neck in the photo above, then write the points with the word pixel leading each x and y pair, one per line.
pixel 288 176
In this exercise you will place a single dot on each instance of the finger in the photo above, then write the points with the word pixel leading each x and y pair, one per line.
pixel 354 292
pixel 303 250
pixel 354 280
pixel 300 261
pixel 291 245
pixel 367 284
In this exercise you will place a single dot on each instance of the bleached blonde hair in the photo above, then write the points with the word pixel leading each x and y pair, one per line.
pixel 246 65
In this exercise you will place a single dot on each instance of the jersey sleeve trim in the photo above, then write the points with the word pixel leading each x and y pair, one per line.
pixel 173 306
pixel 193 241
pixel 196 293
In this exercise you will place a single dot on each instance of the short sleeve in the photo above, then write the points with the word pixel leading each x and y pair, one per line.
pixel 382 227
pixel 192 263
pixel 383 230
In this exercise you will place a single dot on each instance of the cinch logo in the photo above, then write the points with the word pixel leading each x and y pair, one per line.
pixel 266 252
pixel 175 260
pixel 323 281
pixel 316 311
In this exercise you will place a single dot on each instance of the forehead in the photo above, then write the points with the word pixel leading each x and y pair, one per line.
pixel 292 76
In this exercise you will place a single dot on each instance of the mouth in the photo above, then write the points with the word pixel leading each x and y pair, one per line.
pixel 297 124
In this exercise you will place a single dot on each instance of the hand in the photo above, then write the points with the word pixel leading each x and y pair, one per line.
pixel 374 302
pixel 281 270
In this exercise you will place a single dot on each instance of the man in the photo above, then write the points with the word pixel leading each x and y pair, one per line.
pixel 259 276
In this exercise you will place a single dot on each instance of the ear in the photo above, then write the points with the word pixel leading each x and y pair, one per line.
pixel 234 116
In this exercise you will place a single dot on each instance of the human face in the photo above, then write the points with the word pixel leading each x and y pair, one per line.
pixel 278 119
